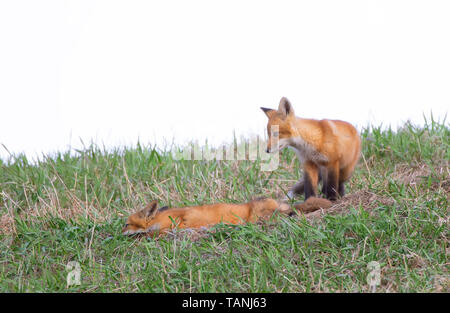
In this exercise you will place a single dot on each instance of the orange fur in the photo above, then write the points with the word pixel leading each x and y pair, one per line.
pixel 313 204
pixel 151 220
pixel 328 149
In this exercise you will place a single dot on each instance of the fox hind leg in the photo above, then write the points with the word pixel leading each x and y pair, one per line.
pixel 344 175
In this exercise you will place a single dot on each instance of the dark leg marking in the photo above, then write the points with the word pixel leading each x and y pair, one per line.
pixel 164 208
pixel 332 185
pixel 309 188
pixel 341 188
pixel 298 188
pixel 323 177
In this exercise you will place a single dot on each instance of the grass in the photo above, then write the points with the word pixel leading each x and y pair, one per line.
pixel 71 207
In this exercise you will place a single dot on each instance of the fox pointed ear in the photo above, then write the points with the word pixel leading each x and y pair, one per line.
pixel 151 209
pixel 267 111
pixel 285 107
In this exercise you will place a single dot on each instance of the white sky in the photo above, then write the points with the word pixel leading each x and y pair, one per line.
pixel 116 71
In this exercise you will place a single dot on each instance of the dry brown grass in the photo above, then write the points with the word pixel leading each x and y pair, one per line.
pixel 417 174
pixel 362 198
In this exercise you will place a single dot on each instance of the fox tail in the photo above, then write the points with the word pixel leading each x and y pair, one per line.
pixel 313 204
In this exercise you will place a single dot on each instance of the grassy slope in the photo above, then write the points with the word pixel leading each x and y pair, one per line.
pixel 71 208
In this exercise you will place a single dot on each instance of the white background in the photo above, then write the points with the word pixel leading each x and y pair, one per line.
pixel 118 71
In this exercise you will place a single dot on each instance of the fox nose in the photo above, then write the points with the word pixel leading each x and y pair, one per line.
pixel 268 150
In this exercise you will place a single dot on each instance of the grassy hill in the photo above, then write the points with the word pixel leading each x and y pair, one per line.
pixel 72 206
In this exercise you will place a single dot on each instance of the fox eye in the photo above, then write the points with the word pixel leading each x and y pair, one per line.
pixel 126 225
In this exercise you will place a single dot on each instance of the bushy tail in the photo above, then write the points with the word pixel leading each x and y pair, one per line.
pixel 313 204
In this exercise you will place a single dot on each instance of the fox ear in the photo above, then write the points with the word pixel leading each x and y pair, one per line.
pixel 150 209
pixel 267 111
pixel 285 107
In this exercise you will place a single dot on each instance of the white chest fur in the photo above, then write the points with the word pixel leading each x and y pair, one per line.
pixel 306 151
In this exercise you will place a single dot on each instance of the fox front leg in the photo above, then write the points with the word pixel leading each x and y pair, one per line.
pixel 297 189
pixel 331 186
pixel 311 179
pixel 323 175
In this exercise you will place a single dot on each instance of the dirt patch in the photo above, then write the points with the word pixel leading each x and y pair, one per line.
pixel 189 233
pixel 6 224
pixel 420 173
pixel 442 283
pixel 363 198
pixel 411 175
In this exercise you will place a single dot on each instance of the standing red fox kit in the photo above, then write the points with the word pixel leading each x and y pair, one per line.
pixel 328 149
pixel 153 220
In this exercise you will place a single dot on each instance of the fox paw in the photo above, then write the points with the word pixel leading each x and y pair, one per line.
pixel 290 195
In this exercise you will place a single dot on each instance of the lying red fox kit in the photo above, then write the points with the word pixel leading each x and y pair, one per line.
pixel 150 219
pixel 153 220
pixel 328 149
